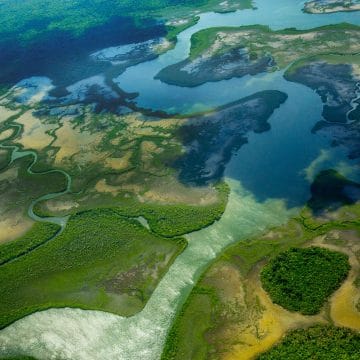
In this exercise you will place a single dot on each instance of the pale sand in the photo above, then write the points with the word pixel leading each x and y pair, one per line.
pixel 35 132
pixel 72 141
pixel 6 113
pixel 6 134
pixel 13 225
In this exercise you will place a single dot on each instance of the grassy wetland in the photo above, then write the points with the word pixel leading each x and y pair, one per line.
pixel 237 318
pixel 186 218
pixel 125 210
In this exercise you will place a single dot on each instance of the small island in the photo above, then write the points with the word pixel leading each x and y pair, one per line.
pixel 331 6
pixel 327 342
pixel 302 279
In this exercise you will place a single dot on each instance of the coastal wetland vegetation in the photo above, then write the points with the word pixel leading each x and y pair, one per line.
pixel 238 318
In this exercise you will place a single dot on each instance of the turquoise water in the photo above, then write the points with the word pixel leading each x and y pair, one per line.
pixel 269 178
pixel 157 95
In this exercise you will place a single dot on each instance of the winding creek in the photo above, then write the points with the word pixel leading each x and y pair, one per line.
pixel 17 153
pixel 269 180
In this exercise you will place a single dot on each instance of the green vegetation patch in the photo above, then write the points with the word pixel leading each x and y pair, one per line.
pixel 186 337
pixel 31 19
pixel 19 358
pixel 4 158
pixel 249 50
pixel 101 261
pixel 175 220
pixel 165 220
pixel 302 279
pixel 206 310
pixel 19 188
pixel 36 236
pixel 174 30
pixel 212 310
pixel 318 342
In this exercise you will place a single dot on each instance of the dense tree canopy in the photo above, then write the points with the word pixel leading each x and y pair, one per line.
pixel 318 342
pixel 302 279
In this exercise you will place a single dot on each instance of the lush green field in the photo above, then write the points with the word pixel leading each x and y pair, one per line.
pixel 20 358
pixel 318 342
pixel 34 18
pixel 38 235
pixel 302 279
pixel 165 220
pixel 101 261
pixel 175 220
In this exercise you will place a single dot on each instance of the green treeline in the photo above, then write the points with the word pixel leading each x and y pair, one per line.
pixel 318 342
pixel 302 279
pixel 36 236
pixel 84 267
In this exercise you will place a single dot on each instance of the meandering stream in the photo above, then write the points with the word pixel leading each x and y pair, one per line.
pixel 269 180
pixel 17 153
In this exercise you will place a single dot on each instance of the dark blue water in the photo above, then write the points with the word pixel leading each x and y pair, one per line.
pixel 64 57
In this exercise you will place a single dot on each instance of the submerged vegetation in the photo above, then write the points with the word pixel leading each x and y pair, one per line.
pixel 211 139
pixel 335 78
pixel 302 279
pixel 318 342
pixel 330 190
